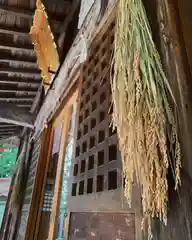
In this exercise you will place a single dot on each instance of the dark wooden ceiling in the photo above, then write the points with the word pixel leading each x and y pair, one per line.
pixel 20 76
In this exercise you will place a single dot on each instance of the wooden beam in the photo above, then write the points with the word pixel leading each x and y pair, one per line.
pixel 27 13
pixel 24 93
pixel 54 19
pixel 75 5
pixel 9 41
pixel 16 87
pixel 69 17
pixel 20 96
pixel 26 106
pixel 23 73
pixel 26 64
pixel 9 130
pixel 8 134
pixel 11 141
pixel 12 80
pixel 7 54
pixel 7 29
pixel 9 113
pixel 15 48
pixel 6 67
pixel 13 129
pixel 15 11
pixel 18 91
pixel 16 99
pixel 6 125
pixel 38 98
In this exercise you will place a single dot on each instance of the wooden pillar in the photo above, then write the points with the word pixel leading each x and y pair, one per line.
pixel 15 213
pixel 5 222
pixel 27 159
pixel 38 186
pixel 168 36
pixel 175 60
pixel 164 16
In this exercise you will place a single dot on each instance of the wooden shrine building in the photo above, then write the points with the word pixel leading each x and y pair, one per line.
pixel 56 106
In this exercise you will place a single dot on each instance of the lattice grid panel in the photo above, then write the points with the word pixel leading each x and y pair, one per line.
pixel 97 165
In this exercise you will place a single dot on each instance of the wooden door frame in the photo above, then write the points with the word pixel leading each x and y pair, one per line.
pixel 64 115
pixel 39 187
pixel 45 155
pixel 34 217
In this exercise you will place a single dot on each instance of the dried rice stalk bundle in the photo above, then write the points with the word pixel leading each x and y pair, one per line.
pixel 145 123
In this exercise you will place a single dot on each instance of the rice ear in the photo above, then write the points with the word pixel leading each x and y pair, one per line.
pixel 142 114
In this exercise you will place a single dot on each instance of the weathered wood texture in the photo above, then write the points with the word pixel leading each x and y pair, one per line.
pixel 172 38
pixel 29 188
pixel 5 223
pixel 179 213
pixel 73 61
pixel 64 116
pixel 95 136
pixel 59 170
pixel 17 56
pixel 9 113
pixel 11 229
pixel 103 226
pixel 37 187
pixel 96 154
pixel 10 141
pixel 43 217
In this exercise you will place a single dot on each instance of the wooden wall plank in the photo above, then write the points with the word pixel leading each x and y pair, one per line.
pixel 41 166
pixel 64 116
pixel 57 190
pixel 46 155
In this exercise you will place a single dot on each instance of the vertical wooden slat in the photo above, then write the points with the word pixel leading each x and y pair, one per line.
pixel 48 141
pixel 65 115
pixel 59 116
pixel 176 64
pixel 31 225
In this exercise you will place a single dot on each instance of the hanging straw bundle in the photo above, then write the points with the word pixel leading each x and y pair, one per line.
pixel 145 123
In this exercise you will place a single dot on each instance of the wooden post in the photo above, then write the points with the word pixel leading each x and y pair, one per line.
pixel 38 185
pixel 65 116
pixel 10 113
pixel 46 155
pixel 57 190
pixel 176 65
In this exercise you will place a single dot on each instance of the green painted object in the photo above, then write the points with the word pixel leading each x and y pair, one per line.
pixel 2 208
pixel 7 160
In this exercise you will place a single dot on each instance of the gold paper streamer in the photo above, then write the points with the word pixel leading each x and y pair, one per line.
pixel 44 45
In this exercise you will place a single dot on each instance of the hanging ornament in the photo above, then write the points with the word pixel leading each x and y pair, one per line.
pixel 44 45
pixel 145 122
